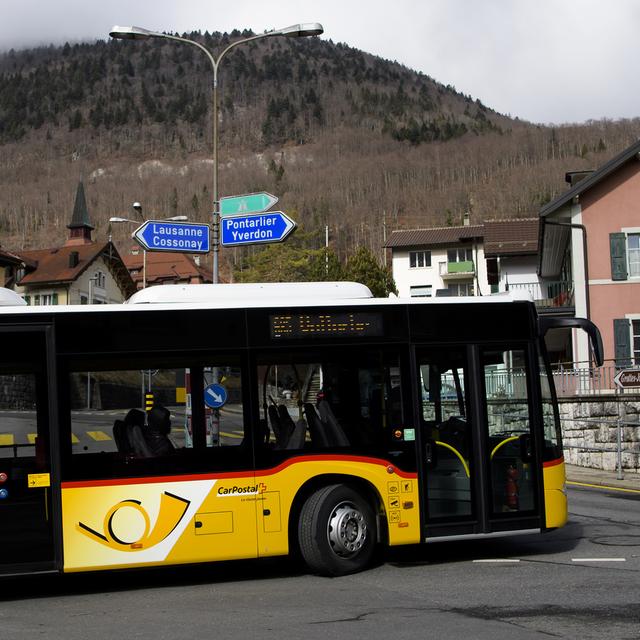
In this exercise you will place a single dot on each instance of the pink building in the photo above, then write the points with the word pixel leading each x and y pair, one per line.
pixel 591 235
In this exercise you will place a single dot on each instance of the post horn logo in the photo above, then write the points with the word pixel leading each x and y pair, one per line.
pixel 124 521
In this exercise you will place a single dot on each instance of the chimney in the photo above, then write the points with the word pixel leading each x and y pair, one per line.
pixel 573 177
pixel 74 259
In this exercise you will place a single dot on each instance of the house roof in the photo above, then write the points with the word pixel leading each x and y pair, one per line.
pixel 434 236
pixel 584 185
pixel 57 266
pixel 7 257
pixel 500 237
pixel 511 237
pixel 166 266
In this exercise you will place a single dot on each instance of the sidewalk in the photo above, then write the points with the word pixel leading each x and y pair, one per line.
pixel 603 478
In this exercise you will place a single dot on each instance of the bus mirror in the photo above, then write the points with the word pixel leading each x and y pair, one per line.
pixel 546 323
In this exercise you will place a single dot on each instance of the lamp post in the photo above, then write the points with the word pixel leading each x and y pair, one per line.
pixel 138 207
pixel 138 33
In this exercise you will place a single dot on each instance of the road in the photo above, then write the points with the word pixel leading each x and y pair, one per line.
pixel 92 430
pixel 579 582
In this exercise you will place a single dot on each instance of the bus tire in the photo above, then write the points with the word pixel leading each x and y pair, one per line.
pixel 337 531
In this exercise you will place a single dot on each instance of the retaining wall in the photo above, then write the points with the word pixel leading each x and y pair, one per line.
pixel 590 431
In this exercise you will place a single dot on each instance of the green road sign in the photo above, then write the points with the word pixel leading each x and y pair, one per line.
pixel 248 203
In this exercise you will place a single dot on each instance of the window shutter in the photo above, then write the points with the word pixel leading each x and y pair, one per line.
pixel 622 342
pixel 54 298
pixel 618 245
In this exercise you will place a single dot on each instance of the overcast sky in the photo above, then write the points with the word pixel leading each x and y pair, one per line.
pixel 549 61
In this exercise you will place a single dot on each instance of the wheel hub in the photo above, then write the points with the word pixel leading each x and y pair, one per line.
pixel 347 530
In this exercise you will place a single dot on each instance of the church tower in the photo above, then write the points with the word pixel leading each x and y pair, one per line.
pixel 80 227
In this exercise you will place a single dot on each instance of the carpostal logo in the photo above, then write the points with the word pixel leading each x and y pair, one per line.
pixel 127 526
pixel 246 490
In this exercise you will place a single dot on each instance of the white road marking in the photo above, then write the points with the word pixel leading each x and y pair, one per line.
pixel 497 560
pixel 598 559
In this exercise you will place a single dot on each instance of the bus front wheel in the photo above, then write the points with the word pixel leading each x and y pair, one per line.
pixel 337 531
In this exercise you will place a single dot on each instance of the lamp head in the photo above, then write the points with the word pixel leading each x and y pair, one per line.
pixel 301 30
pixel 130 33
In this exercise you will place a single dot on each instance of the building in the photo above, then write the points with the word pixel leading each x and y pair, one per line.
pixel 496 256
pixel 165 267
pixel 439 261
pixel 590 235
pixel 79 272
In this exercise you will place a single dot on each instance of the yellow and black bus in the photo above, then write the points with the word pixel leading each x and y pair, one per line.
pixel 214 422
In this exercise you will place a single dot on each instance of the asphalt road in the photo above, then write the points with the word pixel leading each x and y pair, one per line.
pixel 579 582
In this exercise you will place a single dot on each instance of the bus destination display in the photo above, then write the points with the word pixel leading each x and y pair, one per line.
pixel 326 325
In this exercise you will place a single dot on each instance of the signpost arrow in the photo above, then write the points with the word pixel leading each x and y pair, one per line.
pixel 273 226
pixel 215 396
pixel 248 203
pixel 182 237
pixel 628 378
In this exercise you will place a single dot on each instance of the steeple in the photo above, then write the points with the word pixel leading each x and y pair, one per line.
pixel 80 227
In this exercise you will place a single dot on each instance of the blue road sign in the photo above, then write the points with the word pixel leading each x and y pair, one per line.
pixel 164 235
pixel 215 396
pixel 257 228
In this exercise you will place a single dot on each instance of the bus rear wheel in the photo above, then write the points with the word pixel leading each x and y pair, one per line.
pixel 337 531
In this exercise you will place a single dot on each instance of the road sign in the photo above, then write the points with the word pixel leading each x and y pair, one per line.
pixel 257 228
pixel 628 379
pixel 215 396
pixel 164 235
pixel 248 203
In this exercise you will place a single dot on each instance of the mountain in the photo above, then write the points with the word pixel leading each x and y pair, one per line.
pixel 347 140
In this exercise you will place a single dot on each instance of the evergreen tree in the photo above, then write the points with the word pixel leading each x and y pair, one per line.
pixel 363 267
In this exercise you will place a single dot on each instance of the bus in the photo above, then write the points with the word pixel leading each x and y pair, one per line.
pixel 214 422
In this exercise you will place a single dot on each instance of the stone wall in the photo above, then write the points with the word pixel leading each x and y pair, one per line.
pixel 590 431
pixel 18 392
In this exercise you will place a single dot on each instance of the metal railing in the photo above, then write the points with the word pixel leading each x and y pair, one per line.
pixel 581 378
pixel 547 294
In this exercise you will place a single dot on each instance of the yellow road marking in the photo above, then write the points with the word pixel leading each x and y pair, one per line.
pixel 6 439
pixel 231 435
pixel 100 436
pixel 602 486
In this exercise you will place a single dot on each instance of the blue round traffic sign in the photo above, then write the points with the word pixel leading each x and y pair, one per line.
pixel 215 396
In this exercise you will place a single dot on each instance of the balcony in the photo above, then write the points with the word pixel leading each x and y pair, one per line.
pixel 549 294
pixel 457 270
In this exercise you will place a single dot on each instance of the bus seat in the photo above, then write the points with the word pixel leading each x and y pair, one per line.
pixel 316 428
pixel 274 420
pixel 139 442
pixel 287 424
pixel 157 430
pixel 297 437
pixel 120 437
pixel 335 432
pixel 134 421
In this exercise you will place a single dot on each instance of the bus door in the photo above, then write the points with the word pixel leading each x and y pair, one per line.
pixel 27 391
pixel 478 456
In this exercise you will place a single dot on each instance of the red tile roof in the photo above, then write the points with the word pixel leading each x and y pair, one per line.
pixel 52 265
pixel 511 237
pixel 500 237
pixel 165 267
pixel 434 236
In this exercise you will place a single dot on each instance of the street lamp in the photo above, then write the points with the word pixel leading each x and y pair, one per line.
pixel 138 207
pixel 294 31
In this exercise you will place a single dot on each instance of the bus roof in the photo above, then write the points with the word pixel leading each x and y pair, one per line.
pixel 250 295
pixel 265 291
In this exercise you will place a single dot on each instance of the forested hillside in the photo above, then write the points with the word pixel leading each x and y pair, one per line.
pixel 345 139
